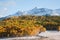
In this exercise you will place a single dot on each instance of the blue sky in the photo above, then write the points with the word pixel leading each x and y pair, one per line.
pixel 8 7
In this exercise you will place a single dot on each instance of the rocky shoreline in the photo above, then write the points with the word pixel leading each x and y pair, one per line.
pixel 48 35
pixel 25 38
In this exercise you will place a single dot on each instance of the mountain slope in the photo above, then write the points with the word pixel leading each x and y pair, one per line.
pixel 36 12
pixel 40 11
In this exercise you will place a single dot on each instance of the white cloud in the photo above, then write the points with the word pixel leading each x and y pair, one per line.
pixel 4 9
pixel 8 3
pixel 55 13
pixel 3 12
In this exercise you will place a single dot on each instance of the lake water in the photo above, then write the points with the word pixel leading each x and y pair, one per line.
pixel 48 35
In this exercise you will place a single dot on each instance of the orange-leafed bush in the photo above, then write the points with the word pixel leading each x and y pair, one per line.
pixel 20 26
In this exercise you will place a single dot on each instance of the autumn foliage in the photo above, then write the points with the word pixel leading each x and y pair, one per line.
pixel 28 25
pixel 20 26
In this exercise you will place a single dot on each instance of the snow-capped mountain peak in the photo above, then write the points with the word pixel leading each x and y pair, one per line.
pixel 39 12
